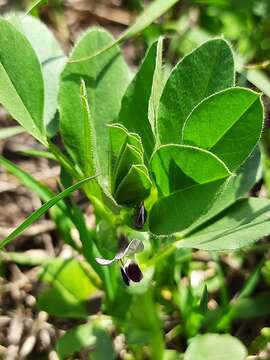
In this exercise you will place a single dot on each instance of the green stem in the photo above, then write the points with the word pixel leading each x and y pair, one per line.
pixel 64 161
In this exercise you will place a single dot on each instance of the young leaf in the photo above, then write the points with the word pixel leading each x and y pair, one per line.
pixel 176 167
pixel 135 104
pixel 205 71
pixel 119 137
pixel 130 156
pixel 39 212
pixel 70 288
pixel 21 82
pixel 51 58
pixel 99 75
pixel 242 224
pixel 215 346
pixel 222 120
pixel 134 187
pixel 178 211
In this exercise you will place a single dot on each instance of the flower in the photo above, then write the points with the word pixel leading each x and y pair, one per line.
pixel 130 270
pixel 140 217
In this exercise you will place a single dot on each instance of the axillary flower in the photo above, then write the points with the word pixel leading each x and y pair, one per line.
pixel 130 270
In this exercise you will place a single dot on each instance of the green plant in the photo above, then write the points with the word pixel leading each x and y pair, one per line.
pixel 171 162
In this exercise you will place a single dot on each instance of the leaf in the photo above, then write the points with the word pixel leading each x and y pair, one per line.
pixel 88 140
pixel 142 325
pixel 134 187
pixel 130 156
pixel 104 102
pixel 75 340
pixel 94 335
pixel 241 225
pixel 10 131
pixel 205 71
pixel 59 213
pixel 135 103
pixel 253 307
pixel 21 82
pixel 51 58
pixel 176 167
pixel 157 87
pixel 215 346
pixel 39 212
pixel 234 188
pixel 223 120
pixel 149 15
pixel 70 288
pixel 35 4
pixel 178 211
pixel 119 137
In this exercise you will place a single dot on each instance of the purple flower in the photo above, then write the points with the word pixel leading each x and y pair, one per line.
pixel 130 270
pixel 140 217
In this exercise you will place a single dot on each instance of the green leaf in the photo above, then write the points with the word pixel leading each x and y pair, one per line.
pixel 142 325
pixel 149 15
pixel 59 213
pixel 9 131
pixel 223 120
pixel 104 102
pixel 42 210
pixel 215 346
pixel 234 188
pixel 135 104
pixel 119 137
pixel 176 167
pixel 242 224
pixel 34 6
pixel 178 211
pixel 51 58
pixel 134 187
pixel 157 87
pixel 69 288
pixel 21 82
pixel 130 156
pixel 203 72
pixel 94 335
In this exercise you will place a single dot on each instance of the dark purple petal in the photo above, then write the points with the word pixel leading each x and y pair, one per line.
pixel 134 272
pixel 140 217
pixel 124 276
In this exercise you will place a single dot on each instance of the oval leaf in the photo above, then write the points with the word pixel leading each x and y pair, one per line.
pixel 215 346
pixel 21 82
pixel 104 102
pixel 178 211
pixel 51 58
pixel 221 121
pixel 244 223
pixel 176 167
pixel 203 72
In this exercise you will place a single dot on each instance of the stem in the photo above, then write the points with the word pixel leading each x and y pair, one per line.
pixel 64 161
pixel 166 252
